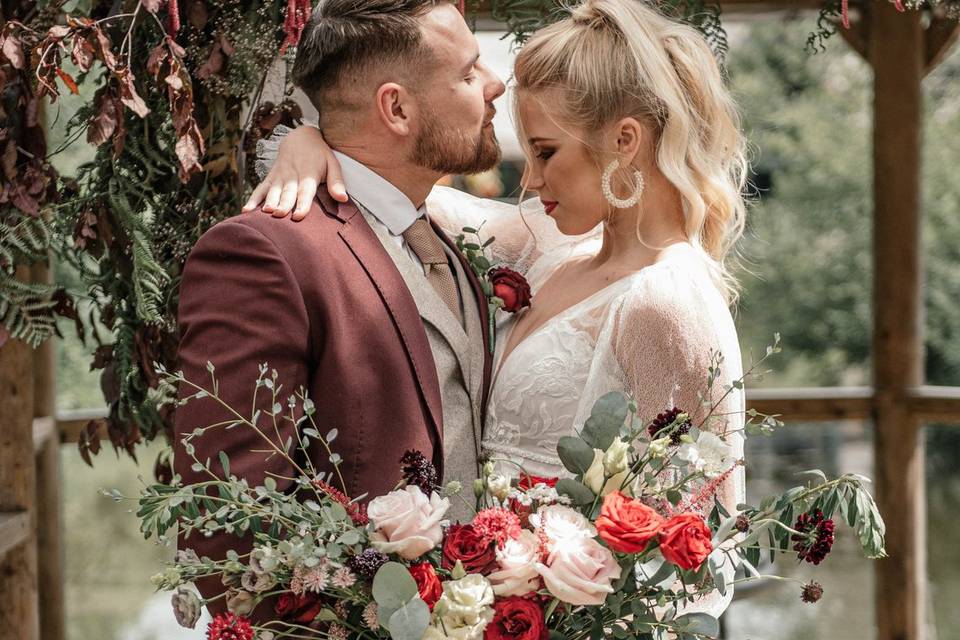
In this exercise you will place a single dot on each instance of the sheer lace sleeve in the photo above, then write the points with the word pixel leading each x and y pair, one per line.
pixel 657 343
pixel 267 150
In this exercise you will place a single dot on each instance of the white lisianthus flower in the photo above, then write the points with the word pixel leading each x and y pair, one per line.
pixel 594 477
pixel 616 457
pixel 658 448
pixel 465 608
pixel 710 454
pixel 498 486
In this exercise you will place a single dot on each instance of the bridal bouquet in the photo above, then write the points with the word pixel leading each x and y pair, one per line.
pixel 621 546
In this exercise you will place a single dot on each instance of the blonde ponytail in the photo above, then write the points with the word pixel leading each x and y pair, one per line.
pixel 618 58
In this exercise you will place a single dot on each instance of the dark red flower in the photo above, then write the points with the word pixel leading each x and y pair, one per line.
pixel 229 626
pixel 428 583
pixel 420 471
pixel 476 554
pixel 815 539
pixel 516 618
pixel 812 592
pixel 664 420
pixel 368 562
pixel 511 287
pixel 301 609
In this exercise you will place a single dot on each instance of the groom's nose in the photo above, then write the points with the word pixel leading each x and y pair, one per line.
pixel 493 86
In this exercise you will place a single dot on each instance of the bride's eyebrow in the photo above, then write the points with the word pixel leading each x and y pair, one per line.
pixel 537 140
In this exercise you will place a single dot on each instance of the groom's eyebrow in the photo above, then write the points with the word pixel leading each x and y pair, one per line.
pixel 470 64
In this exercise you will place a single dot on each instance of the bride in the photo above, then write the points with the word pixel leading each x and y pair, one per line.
pixel 634 148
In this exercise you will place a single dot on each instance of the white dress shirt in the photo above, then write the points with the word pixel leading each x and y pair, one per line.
pixel 382 199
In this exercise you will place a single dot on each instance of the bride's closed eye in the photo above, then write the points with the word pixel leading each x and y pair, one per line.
pixel 545 154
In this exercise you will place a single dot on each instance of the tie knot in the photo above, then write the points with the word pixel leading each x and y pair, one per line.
pixel 424 242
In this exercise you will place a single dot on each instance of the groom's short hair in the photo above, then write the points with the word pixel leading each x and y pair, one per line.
pixel 347 42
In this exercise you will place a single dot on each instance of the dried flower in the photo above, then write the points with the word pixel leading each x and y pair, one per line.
pixel 419 471
pixel 743 523
pixel 815 539
pixel 812 591
pixel 186 607
pixel 240 602
pixel 229 626
pixel 357 512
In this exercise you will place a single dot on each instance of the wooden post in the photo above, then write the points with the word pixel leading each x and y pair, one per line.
pixel 896 52
pixel 49 513
pixel 19 619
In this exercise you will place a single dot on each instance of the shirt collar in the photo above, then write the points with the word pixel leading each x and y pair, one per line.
pixel 382 199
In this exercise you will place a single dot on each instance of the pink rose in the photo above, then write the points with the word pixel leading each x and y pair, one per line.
pixel 580 572
pixel 517 574
pixel 406 522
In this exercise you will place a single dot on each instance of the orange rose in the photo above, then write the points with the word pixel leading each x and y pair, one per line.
pixel 627 525
pixel 685 540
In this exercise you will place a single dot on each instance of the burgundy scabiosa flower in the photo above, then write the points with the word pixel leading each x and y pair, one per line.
pixel 419 471
pixel 812 591
pixel 667 418
pixel 815 537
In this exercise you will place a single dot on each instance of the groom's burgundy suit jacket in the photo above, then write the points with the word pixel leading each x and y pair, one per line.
pixel 321 302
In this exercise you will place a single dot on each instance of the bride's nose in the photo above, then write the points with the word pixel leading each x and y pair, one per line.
pixel 531 179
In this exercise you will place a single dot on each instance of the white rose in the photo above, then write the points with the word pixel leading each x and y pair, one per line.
pixel 594 477
pixel 406 522
pixel 466 607
pixel 581 573
pixel 517 575
pixel 615 458
pixel 613 484
pixel 498 486
pixel 562 525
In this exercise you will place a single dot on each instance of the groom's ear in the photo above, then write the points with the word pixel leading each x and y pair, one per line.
pixel 396 108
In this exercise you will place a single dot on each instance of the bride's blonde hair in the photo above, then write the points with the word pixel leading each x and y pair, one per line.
pixel 617 58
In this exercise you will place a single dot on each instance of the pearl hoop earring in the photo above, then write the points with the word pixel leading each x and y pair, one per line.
pixel 608 191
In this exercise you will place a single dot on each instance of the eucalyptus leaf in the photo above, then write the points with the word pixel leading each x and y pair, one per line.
pixel 575 454
pixel 700 623
pixel 606 418
pixel 393 586
pixel 576 491
pixel 410 621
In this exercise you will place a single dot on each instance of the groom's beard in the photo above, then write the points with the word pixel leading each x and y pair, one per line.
pixel 449 152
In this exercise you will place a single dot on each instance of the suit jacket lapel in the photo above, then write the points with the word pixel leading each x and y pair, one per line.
pixel 483 312
pixel 382 271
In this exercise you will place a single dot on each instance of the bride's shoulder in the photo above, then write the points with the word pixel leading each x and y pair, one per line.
pixel 673 289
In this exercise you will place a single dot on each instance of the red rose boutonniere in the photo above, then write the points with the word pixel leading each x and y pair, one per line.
pixel 505 288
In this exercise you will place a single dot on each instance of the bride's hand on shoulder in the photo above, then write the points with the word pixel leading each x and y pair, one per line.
pixel 303 162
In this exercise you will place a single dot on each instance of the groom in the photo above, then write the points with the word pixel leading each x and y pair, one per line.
pixel 369 308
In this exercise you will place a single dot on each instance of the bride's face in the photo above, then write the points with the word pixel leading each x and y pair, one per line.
pixel 561 168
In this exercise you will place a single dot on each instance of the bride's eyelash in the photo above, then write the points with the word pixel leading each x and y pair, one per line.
pixel 545 154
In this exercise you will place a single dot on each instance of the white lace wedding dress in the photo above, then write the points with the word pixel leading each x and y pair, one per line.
pixel 650 334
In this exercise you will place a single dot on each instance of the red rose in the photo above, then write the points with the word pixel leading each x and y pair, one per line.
pixel 516 618
pixel 428 583
pixel 301 609
pixel 464 544
pixel 511 287
pixel 627 525
pixel 685 540
pixel 528 482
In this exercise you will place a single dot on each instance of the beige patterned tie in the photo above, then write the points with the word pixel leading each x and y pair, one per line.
pixel 424 242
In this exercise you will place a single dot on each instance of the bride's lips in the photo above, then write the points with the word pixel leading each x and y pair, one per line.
pixel 549 206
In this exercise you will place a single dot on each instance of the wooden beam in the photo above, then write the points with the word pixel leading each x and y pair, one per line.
pixel 813 404
pixel 896 55
pixel 71 423
pixel 19 618
pixel 938 39
pixel 857 36
pixel 935 404
pixel 14 531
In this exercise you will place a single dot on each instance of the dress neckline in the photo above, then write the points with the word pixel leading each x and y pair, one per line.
pixel 666 259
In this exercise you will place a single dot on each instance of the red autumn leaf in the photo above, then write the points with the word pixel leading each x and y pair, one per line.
pixel 82 53
pixel 67 80
pixel 151 5
pixel 9 160
pixel 188 148
pixel 104 50
pixel 58 32
pixel 89 440
pixel 12 50
pixel 157 57
pixel 106 115
pixel 128 93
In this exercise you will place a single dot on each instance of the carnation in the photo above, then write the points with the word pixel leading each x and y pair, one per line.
pixel 497 525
